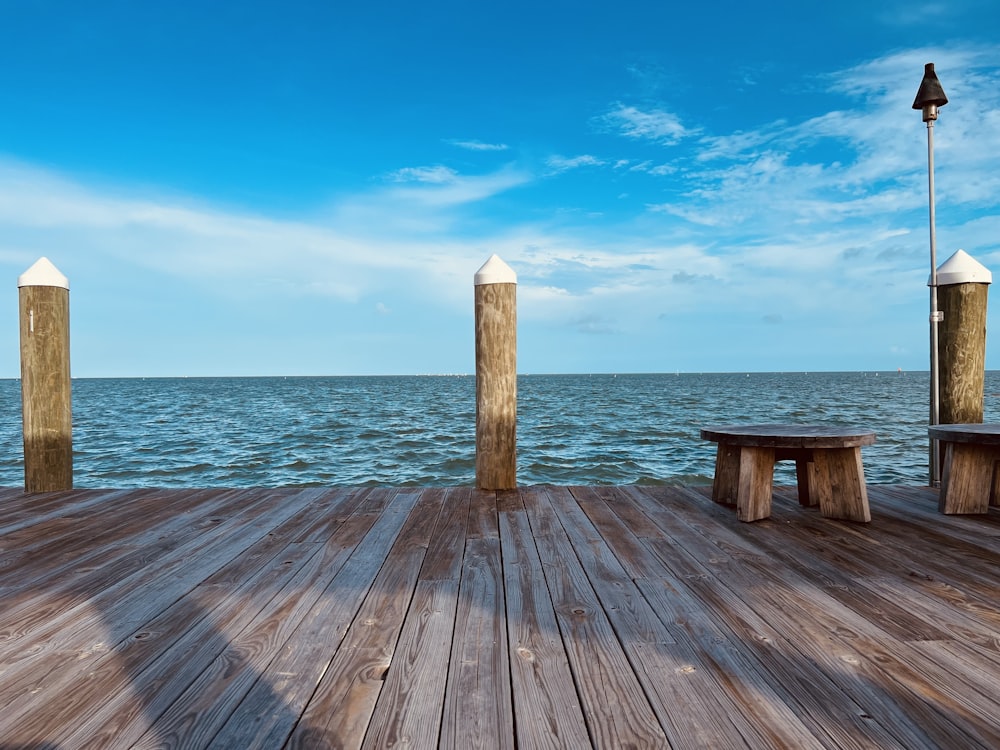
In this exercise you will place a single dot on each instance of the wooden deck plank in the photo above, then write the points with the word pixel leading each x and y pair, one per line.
pixel 68 626
pixel 58 617
pixel 224 685
pixel 478 710
pixel 901 580
pixel 115 698
pixel 548 710
pixel 615 705
pixel 22 510
pixel 67 548
pixel 764 714
pixel 700 655
pixel 408 710
pixel 540 617
pixel 483 520
pixel 444 554
pixel 331 668
pixel 835 719
pixel 156 688
pixel 855 654
pixel 842 559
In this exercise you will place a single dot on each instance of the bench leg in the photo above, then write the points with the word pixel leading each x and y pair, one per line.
pixel 753 498
pixel 967 478
pixel 804 471
pixel 812 499
pixel 726 484
pixel 840 484
pixel 803 468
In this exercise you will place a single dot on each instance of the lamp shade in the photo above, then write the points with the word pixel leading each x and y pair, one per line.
pixel 930 92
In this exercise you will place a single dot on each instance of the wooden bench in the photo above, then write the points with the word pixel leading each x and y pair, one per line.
pixel 827 466
pixel 969 480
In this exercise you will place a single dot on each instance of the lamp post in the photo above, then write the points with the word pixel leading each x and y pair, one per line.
pixel 930 96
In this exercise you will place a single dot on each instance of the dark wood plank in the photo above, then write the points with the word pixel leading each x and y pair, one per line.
pixel 789 435
pixel 685 661
pixel 983 434
pixel 867 664
pixel 615 705
pixel 409 708
pixel 676 591
pixel 483 520
pixel 333 579
pixel 478 710
pixel 444 555
pixel 324 683
pixel 113 698
pixel 538 617
pixel 22 510
pixel 117 600
pixel 544 695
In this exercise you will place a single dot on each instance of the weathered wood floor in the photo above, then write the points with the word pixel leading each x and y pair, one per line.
pixel 547 617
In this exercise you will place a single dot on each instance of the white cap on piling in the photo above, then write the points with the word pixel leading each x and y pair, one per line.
pixel 495 271
pixel 962 268
pixel 43 273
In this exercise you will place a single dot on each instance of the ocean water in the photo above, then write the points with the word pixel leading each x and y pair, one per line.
pixel 420 430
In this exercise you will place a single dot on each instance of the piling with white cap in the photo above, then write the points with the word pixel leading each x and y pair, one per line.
pixel 963 285
pixel 46 402
pixel 496 376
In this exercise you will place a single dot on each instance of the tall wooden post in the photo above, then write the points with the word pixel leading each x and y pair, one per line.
pixel 962 292
pixel 43 295
pixel 496 376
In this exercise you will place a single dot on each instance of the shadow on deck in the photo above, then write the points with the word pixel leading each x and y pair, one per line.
pixel 544 617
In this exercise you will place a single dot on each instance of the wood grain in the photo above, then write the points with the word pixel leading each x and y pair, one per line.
pixel 828 467
pixel 46 388
pixel 539 617
pixel 962 352
pixel 496 386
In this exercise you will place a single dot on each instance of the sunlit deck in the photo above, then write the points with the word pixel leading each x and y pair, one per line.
pixel 609 617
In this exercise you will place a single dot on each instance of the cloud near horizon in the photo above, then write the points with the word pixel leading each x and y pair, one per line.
pixel 740 220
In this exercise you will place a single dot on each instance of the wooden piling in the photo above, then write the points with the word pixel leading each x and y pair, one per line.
pixel 962 296
pixel 46 410
pixel 496 376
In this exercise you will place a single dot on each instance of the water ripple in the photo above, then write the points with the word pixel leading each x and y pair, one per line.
pixel 420 431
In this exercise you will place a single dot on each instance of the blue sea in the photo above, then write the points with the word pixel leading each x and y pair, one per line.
pixel 420 430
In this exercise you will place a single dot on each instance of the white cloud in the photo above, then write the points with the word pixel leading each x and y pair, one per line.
pixel 563 164
pixel 861 164
pixel 914 13
pixel 652 125
pixel 479 145
pixel 434 175
pixel 824 211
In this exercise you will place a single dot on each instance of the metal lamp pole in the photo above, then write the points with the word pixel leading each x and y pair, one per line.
pixel 930 96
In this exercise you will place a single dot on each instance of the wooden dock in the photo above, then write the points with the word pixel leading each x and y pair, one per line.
pixel 550 617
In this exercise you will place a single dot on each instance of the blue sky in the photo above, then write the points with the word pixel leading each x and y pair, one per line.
pixel 265 188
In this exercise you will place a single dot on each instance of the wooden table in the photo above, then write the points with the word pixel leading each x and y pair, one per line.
pixel 827 466
pixel 969 481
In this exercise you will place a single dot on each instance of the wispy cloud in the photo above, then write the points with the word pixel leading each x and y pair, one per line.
pixel 825 210
pixel 563 164
pixel 474 145
pixel 422 201
pixel 434 175
pixel 865 161
pixel 913 13
pixel 87 229
pixel 655 125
